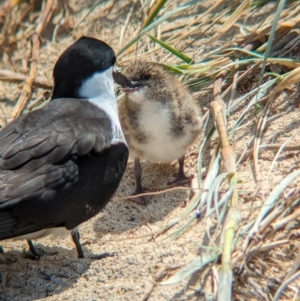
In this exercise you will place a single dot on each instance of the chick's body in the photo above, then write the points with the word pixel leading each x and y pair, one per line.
pixel 159 117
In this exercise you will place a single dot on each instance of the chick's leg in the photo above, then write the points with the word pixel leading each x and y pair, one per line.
pixel 137 168
pixel 138 175
pixel 181 178
pixel 181 175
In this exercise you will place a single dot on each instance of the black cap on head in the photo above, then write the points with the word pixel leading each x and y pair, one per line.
pixel 79 62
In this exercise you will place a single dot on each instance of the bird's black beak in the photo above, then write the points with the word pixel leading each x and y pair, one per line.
pixel 122 80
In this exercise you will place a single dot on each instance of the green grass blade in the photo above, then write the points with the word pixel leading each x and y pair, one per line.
pixel 190 268
pixel 271 201
pixel 180 231
pixel 173 69
pixel 263 91
pixel 154 12
pixel 270 40
pixel 214 187
pixel 265 86
pixel 209 180
pixel 157 22
pixel 173 50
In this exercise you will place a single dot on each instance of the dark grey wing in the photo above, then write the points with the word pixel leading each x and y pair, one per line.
pixel 53 133
pixel 39 154
pixel 21 190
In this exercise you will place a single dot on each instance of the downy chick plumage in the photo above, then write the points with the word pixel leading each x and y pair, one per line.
pixel 159 116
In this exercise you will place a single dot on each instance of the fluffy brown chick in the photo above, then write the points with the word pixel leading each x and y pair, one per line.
pixel 159 117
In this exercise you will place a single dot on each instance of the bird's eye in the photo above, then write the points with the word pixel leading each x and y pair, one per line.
pixel 113 60
pixel 146 76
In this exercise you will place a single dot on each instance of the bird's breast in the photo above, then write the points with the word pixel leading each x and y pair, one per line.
pixel 160 144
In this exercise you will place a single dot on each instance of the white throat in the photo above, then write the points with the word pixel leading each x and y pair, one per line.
pixel 100 84
pixel 99 90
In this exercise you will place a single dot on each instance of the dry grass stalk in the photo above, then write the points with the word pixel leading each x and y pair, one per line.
pixel 225 272
pixel 233 18
pixel 266 229
pixel 8 75
pixel 268 147
pixel 262 124
pixel 35 39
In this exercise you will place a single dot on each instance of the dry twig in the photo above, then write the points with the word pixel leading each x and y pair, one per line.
pixel 27 88
pixel 17 77
pixel 225 272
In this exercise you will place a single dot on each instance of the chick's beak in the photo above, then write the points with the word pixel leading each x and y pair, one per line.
pixel 122 80
pixel 127 85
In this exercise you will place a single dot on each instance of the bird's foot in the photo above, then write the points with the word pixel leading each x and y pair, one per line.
pixel 180 180
pixel 36 253
pixel 76 239
pixel 139 198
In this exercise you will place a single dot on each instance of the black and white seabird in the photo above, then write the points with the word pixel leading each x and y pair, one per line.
pixel 159 117
pixel 61 164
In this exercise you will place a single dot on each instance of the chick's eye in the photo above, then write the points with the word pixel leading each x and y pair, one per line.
pixel 146 76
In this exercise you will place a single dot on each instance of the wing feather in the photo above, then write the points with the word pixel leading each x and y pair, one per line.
pixel 37 149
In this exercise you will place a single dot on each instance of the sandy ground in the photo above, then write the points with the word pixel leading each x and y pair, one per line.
pixel 122 227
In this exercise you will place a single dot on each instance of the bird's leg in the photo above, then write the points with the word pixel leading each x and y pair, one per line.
pixel 36 253
pixel 32 248
pixel 76 239
pixel 181 177
pixel 137 168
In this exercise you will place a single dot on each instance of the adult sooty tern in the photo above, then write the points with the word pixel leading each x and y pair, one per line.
pixel 61 164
